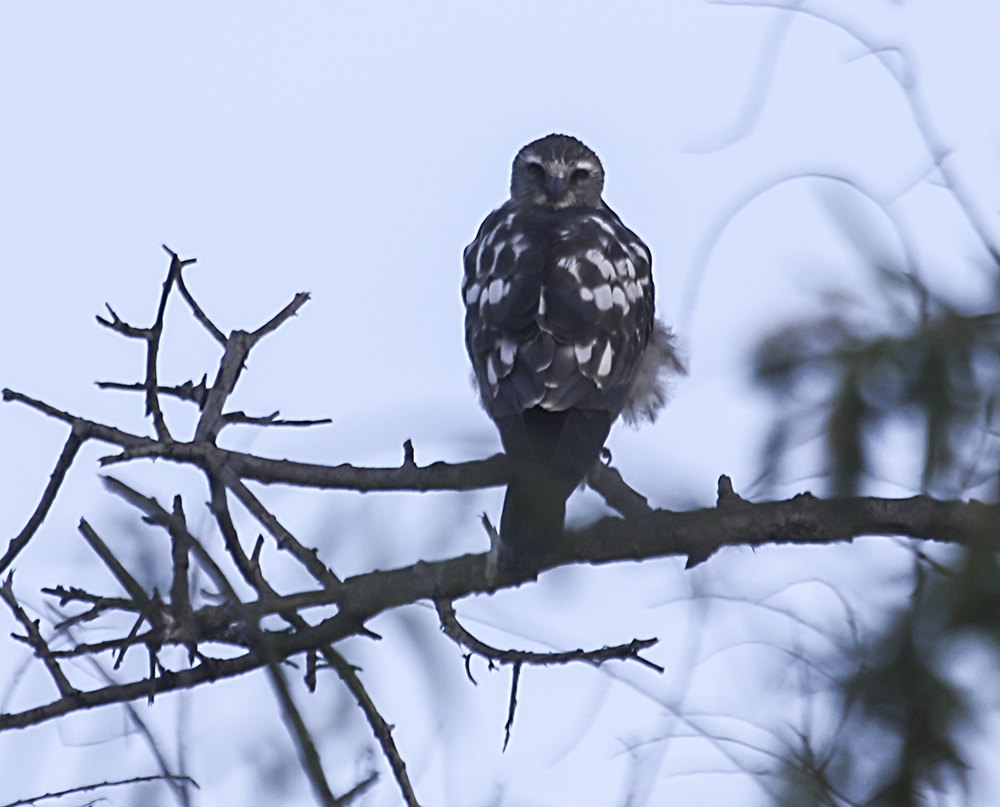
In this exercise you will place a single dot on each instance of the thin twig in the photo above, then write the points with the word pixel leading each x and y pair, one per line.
pixel 188 391
pixel 180 594
pixel 359 789
pixel 238 346
pixel 454 630
pixel 253 576
pixel 34 638
pixel 308 755
pixel 200 315
pixel 286 541
pixel 269 420
pixel 515 677
pixel 129 583
pixel 156 514
pixel 278 319
pixel 381 729
pixel 85 788
pixel 73 443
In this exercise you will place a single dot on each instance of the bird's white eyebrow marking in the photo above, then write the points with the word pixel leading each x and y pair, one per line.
pixel 603 297
pixel 605 366
pixel 587 165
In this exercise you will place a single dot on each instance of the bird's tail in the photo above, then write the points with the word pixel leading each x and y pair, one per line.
pixel 550 453
pixel 534 508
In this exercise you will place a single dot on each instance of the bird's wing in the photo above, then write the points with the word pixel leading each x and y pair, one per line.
pixel 559 308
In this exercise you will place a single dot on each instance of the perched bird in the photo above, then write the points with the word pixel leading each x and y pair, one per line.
pixel 560 329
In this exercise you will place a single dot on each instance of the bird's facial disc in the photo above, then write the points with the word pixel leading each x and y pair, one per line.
pixel 557 172
pixel 561 184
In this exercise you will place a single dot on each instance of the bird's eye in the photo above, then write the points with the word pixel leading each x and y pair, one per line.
pixel 536 171
pixel 579 175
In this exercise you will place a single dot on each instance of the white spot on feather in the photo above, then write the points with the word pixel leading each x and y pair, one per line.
pixel 602 224
pixel 541 302
pixel 495 291
pixel 618 298
pixel 640 250
pixel 491 373
pixel 571 265
pixel 602 297
pixel 508 350
pixel 472 294
pixel 518 245
pixel 583 353
pixel 605 366
pixel 586 294
pixel 605 266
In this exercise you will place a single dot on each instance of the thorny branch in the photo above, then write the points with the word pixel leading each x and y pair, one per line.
pixel 35 641
pixel 85 788
pixel 454 630
pixel 193 619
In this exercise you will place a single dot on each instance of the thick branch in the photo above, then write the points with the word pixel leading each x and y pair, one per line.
pixel 436 476
pixel 801 520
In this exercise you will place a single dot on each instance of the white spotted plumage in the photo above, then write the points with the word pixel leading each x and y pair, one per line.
pixel 523 272
pixel 560 328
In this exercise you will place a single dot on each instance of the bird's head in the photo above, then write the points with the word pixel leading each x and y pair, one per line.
pixel 557 172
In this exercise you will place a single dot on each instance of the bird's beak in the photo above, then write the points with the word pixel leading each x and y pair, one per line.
pixel 556 186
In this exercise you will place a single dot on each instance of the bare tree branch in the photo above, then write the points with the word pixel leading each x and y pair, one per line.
pixel 285 539
pixel 238 345
pixel 188 391
pixel 35 640
pixel 73 443
pixel 641 533
pixel 382 730
pixel 454 630
pixel 308 754
pixel 155 514
pixel 199 315
pixel 85 788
